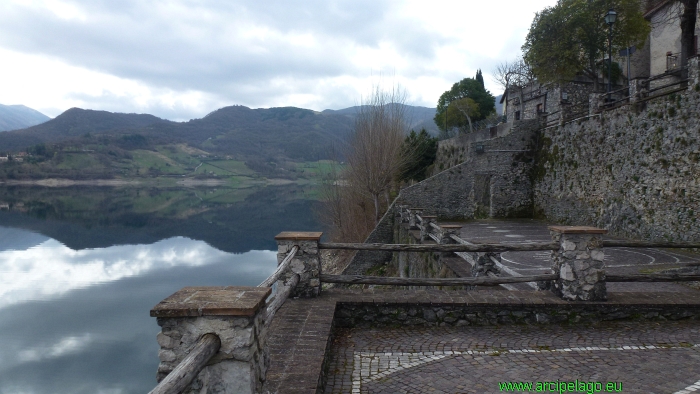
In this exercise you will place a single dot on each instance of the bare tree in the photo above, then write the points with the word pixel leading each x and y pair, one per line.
pixel 374 154
pixel 515 76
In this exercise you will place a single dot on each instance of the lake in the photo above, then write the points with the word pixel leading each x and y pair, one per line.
pixel 81 267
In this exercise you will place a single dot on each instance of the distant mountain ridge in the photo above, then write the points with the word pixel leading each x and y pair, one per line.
pixel 261 134
pixel 418 117
pixel 15 117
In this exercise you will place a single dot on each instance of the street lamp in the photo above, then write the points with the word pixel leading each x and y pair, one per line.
pixel 610 18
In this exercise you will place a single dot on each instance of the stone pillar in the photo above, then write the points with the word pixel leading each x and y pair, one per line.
pixel 412 221
pixel 483 264
pixel 427 229
pixel 593 103
pixel 637 90
pixel 693 72
pixel 236 315
pixel 578 263
pixel 306 263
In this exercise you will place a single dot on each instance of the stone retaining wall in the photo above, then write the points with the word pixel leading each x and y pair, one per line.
pixel 490 184
pixel 633 173
pixel 349 315
pixel 382 233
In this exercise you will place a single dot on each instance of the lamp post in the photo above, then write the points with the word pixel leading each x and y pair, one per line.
pixel 610 18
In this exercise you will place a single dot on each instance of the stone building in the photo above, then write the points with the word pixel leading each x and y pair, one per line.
pixel 658 58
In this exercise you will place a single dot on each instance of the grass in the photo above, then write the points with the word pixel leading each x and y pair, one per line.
pixel 79 161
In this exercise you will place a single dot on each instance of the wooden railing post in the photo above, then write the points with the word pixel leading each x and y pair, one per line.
pixel 426 228
pixel 448 230
pixel 402 213
pixel 306 263
pixel 412 220
pixel 235 316
pixel 578 263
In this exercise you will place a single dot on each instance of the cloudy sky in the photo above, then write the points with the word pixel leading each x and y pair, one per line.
pixel 181 59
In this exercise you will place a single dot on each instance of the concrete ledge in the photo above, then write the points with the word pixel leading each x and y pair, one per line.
pixel 212 301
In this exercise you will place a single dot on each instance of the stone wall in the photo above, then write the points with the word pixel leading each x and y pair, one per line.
pixel 495 183
pixel 435 314
pixel 417 265
pixel 635 173
pixel 242 360
pixel 382 233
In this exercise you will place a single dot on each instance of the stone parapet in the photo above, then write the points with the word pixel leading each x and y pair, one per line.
pixel 693 72
pixel 306 263
pixel 236 316
pixel 578 263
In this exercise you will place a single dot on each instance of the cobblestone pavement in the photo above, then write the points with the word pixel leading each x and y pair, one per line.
pixel 642 357
pixel 617 260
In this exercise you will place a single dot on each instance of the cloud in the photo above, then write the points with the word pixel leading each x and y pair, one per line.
pixel 64 347
pixel 51 269
pixel 183 58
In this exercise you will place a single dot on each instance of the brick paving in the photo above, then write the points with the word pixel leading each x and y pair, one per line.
pixel 645 357
pixel 298 339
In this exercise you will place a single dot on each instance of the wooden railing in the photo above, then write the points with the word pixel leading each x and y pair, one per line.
pixel 463 247
pixel 181 377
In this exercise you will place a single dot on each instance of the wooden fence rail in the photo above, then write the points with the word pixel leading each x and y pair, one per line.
pixel 493 281
pixel 280 269
pixel 442 248
pixel 177 380
pixel 393 281
pixel 649 244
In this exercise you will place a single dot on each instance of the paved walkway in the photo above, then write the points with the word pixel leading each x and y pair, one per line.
pixel 302 328
pixel 639 357
pixel 617 260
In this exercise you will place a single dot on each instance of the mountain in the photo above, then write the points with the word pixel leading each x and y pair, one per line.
pixel 14 117
pixel 267 140
pixel 419 117
pixel 73 123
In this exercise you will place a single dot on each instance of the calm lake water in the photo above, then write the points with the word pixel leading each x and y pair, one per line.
pixel 80 268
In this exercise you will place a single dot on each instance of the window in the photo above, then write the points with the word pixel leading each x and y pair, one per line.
pixel 517 115
pixel 539 108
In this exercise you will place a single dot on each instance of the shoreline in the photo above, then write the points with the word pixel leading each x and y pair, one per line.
pixel 186 182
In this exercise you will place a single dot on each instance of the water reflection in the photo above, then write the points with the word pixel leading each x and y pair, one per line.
pixel 50 268
pixel 77 321
pixel 81 268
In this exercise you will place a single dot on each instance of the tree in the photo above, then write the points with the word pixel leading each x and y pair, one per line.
pixel 420 150
pixel 480 78
pixel 467 88
pixel 374 156
pixel 514 76
pixel 571 37
pixel 461 112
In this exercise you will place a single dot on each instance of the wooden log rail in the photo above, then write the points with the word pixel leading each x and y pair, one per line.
pixel 284 265
pixel 493 281
pixel 280 297
pixel 649 244
pixel 441 248
pixel 392 281
pixel 181 377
